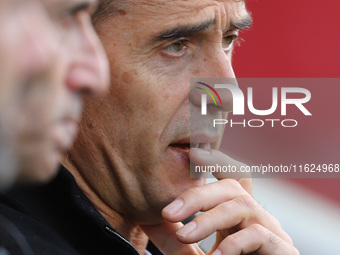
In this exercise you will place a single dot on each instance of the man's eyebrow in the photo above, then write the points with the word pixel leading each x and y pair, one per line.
pixel 241 24
pixel 183 31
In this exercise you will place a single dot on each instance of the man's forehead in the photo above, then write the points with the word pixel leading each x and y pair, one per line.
pixel 184 10
pixel 224 13
pixel 178 5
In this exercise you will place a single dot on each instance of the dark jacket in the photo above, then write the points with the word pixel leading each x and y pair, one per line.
pixel 58 219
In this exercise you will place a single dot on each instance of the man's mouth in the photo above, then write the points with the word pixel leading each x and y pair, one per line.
pixel 187 146
pixel 202 141
pixel 179 148
pixel 180 153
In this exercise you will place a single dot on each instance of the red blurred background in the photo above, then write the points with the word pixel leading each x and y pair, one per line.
pixel 291 38
pixel 294 39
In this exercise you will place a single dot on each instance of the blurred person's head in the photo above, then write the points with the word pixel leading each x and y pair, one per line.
pixel 50 55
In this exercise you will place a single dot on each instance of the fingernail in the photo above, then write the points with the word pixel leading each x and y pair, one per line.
pixel 174 207
pixel 187 229
pixel 217 252
pixel 201 152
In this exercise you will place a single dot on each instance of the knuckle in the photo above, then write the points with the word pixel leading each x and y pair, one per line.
pixel 258 230
pixel 225 207
pixel 247 201
pixel 234 184
pixel 232 241
pixel 273 239
pixel 267 236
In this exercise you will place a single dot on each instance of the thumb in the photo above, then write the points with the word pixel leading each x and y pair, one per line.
pixel 202 157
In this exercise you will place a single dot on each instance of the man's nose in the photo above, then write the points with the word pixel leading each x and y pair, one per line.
pixel 89 71
pixel 218 70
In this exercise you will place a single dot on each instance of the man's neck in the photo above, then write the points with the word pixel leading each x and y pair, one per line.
pixel 121 224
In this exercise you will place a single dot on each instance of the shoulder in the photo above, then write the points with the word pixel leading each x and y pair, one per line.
pixel 21 234
pixel 23 225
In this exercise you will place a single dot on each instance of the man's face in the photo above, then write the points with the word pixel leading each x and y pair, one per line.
pixel 60 57
pixel 25 52
pixel 141 129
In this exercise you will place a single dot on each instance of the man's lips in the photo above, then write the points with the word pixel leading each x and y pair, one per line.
pixel 180 148
pixel 202 141
pixel 187 146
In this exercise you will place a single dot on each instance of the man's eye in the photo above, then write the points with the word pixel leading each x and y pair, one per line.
pixel 176 47
pixel 228 42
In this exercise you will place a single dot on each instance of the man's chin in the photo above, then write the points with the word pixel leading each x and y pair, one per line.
pixel 40 170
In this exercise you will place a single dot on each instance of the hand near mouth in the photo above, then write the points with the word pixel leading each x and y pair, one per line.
pixel 242 225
